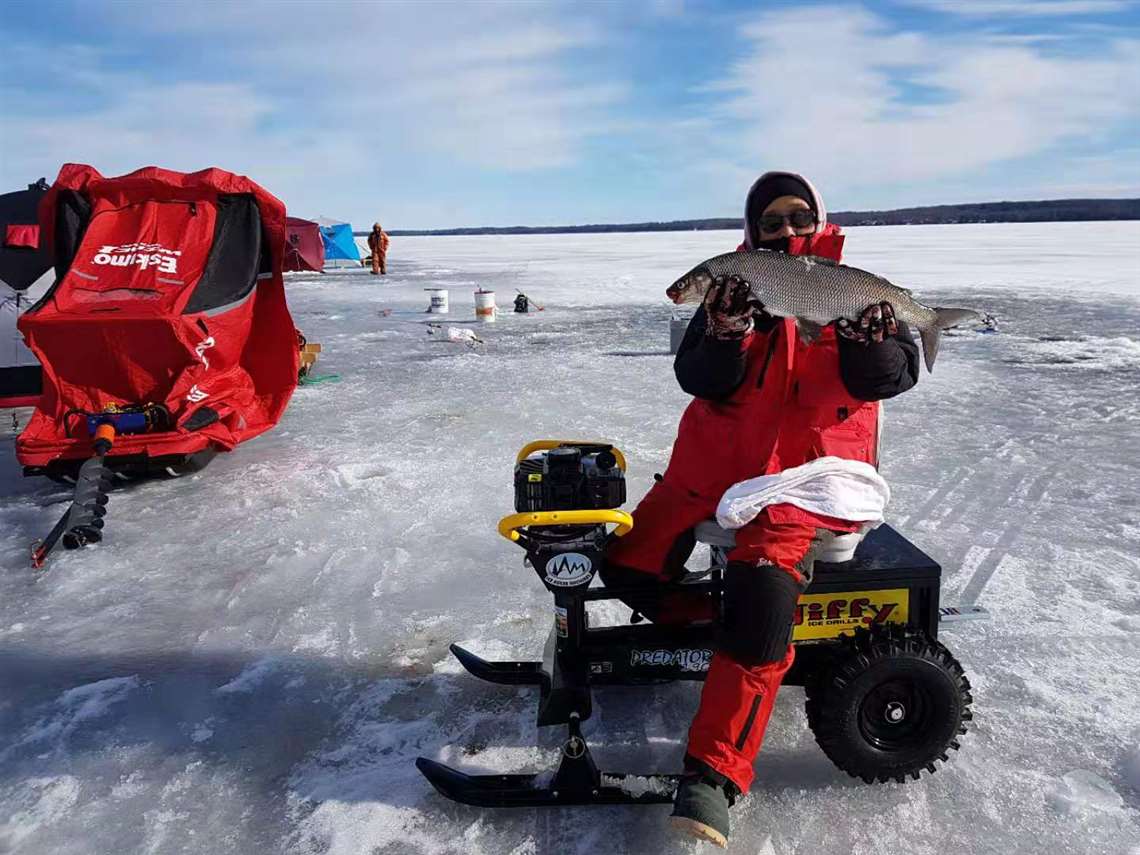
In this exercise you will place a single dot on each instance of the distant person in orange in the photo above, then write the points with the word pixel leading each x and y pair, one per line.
pixel 378 242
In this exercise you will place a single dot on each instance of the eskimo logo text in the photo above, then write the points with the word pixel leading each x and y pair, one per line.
pixel 195 395
pixel 144 255
pixel 697 659
pixel 568 569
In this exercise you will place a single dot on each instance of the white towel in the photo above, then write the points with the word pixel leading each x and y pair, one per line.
pixel 844 489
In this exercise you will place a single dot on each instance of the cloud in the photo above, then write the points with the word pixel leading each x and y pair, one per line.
pixel 495 85
pixel 1115 175
pixel 1024 8
pixel 667 8
pixel 350 95
pixel 437 113
pixel 183 126
pixel 842 95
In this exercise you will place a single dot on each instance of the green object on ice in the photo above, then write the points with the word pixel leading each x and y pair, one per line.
pixel 317 379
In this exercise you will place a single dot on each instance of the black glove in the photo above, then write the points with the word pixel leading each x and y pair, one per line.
pixel 729 305
pixel 876 323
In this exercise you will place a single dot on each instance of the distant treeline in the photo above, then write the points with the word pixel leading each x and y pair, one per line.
pixel 1053 210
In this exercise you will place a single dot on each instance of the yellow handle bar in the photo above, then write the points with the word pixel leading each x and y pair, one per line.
pixel 544 444
pixel 509 526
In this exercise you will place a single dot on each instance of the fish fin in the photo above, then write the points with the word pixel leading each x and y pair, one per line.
pixel 881 279
pixel 809 330
pixel 889 284
pixel 952 317
pixel 819 259
pixel 930 339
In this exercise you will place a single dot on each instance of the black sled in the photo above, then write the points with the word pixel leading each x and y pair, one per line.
pixel 886 699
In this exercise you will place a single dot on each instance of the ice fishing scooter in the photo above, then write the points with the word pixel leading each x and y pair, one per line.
pixel 885 698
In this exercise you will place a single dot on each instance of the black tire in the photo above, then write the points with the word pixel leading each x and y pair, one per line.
pixel 892 702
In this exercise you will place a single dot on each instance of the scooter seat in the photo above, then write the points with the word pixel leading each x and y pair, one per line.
pixel 710 532
pixel 835 548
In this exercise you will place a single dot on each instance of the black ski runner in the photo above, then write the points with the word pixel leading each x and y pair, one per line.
pixel 505 673
pixel 577 781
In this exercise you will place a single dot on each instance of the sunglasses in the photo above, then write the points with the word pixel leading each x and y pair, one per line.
pixel 801 218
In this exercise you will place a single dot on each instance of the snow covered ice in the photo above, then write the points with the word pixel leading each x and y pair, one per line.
pixel 254 657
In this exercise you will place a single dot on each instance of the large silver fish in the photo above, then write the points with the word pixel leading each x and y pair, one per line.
pixel 817 291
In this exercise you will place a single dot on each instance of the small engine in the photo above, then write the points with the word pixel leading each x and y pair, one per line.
pixel 570 477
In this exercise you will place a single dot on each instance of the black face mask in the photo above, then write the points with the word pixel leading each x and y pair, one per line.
pixel 780 244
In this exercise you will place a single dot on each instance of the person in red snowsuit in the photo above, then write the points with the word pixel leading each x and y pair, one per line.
pixel 378 241
pixel 764 401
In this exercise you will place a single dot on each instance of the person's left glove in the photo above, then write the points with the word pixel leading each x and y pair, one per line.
pixel 729 305
pixel 876 323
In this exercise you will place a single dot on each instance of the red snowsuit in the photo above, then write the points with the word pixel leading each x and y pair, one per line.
pixel 790 406
pixel 378 244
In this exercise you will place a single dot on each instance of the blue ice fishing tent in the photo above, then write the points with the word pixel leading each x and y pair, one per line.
pixel 339 243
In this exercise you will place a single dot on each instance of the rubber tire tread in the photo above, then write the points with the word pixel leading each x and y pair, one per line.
pixel 830 711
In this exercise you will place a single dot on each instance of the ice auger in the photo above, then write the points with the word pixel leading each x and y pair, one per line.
pixel 83 521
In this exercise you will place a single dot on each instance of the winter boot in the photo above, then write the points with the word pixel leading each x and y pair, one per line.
pixel 700 808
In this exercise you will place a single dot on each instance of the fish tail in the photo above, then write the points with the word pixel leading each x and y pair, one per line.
pixel 932 335
pixel 952 317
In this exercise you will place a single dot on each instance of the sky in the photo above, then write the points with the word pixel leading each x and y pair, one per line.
pixel 436 115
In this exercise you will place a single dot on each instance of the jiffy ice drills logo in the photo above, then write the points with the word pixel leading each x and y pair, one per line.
pixel 143 254
pixel 828 615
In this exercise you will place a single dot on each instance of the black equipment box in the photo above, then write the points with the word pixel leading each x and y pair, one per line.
pixel 900 581
pixel 890 580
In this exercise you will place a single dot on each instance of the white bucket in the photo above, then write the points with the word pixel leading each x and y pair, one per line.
pixel 677 327
pixel 438 305
pixel 484 305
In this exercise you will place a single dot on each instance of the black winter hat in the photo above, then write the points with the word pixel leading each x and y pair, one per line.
pixel 773 187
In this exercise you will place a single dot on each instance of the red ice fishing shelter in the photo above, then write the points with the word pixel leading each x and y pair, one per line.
pixel 304 249
pixel 168 298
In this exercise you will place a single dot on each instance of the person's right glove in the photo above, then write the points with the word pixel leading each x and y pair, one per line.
pixel 729 305
pixel 876 323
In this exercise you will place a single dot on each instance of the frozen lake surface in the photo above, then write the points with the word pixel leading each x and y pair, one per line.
pixel 255 656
